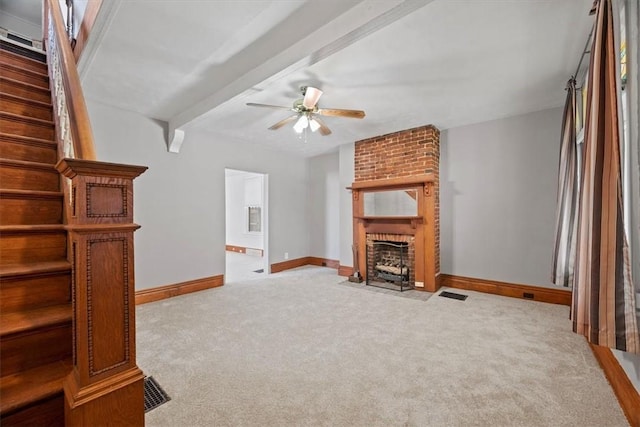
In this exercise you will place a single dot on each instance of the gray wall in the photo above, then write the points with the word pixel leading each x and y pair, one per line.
pixel 324 206
pixel 180 200
pixel 498 183
pixel 20 25
pixel 331 226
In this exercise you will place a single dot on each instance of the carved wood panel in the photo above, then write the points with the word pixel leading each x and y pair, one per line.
pixel 74 305
pixel 108 303
pixel 106 200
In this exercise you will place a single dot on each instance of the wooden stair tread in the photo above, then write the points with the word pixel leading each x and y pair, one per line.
pixel 30 194
pixel 28 139
pixel 25 320
pixel 19 117
pixel 23 70
pixel 36 315
pixel 8 80
pixel 25 100
pixel 8 57
pixel 31 228
pixel 27 165
pixel 22 61
pixel 32 268
pixel 23 388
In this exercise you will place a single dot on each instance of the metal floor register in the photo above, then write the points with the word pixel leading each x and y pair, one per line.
pixel 154 395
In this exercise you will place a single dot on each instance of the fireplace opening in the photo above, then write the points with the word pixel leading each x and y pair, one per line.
pixel 389 265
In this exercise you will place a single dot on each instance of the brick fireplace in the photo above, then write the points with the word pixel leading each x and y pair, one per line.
pixel 392 165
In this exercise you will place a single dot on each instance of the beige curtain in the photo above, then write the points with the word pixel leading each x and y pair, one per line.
pixel 603 307
pixel 567 202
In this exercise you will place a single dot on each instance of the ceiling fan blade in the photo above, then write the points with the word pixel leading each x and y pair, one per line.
pixel 311 97
pixel 324 129
pixel 353 114
pixel 253 104
pixel 284 122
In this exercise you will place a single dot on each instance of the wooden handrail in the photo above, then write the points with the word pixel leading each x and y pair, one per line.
pixel 72 118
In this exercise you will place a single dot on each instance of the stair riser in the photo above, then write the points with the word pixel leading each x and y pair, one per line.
pixel 33 247
pixel 26 127
pixel 49 413
pixel 17 178
pixel 21 62
pixel 23 91
pixel 40 80
pixel 27 350
pixel 30 211
pixel 35 291
pixel 26 108
pixel 26 151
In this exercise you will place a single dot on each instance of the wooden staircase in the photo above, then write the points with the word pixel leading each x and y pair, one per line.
pixel 35 276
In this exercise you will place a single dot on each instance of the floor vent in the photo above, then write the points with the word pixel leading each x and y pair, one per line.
pixel 453 295
pixel 20 38
pixel 154 395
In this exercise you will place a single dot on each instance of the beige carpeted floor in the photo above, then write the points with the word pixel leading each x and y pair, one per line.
pixel 300 349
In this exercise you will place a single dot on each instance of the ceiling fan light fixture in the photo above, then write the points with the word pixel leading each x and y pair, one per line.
pixel 301 124
pixel 307 114
pixel 314 125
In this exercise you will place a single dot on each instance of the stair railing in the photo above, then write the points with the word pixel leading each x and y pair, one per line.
pixel 70 106
pixel 105 385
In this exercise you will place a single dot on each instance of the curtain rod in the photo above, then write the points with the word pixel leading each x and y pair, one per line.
pixel 584 52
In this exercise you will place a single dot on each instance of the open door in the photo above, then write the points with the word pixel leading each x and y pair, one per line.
pixel 245 225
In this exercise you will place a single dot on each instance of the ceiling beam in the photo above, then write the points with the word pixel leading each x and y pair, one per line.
pixel 312 33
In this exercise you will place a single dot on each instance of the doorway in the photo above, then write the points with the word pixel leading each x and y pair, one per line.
pixel 246 221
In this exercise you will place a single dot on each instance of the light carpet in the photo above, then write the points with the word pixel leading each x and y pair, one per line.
pixel 299 349
pixel 408 293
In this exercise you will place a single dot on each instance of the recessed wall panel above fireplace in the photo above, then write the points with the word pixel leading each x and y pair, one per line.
pixel 391 203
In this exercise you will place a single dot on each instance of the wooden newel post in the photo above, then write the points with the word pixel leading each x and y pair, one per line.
pixel 105 387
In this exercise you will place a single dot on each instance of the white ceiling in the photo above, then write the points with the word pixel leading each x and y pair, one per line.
pixel 195 63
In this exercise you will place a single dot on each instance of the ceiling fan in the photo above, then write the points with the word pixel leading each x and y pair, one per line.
pixel 307 111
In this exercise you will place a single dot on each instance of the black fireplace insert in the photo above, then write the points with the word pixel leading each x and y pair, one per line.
pixel 388 265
